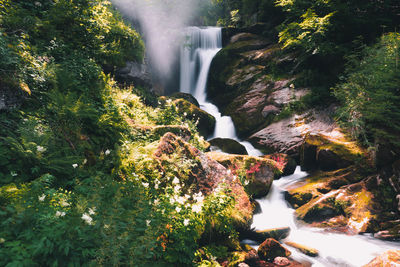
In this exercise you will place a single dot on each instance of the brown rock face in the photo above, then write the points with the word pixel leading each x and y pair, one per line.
pixel 389 258
pixel 257 173
pixel 270 249
pixel 202 174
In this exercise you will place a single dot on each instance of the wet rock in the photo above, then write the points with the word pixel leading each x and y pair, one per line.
pixel 187 97
pixel 242 264
pixel 260 235
pixel 257 207
pixel 298 199
pixel 206 122
pixel 228 146
pixel 389 258
pixel 204 174
pixel 257 173
pixel 314 137
pixel 270 249
pixel 312 252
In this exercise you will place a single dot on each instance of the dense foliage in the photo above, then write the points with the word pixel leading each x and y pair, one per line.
pixel 78 185
pixel 370 93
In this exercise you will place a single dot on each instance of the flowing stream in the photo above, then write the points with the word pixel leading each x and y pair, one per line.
pixel 334 249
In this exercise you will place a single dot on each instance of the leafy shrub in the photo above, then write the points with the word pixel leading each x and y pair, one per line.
pixel 370 94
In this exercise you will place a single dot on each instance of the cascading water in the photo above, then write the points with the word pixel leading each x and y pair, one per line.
pixel 196 56
pixel 334 249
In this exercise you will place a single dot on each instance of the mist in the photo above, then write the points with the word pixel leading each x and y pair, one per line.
pixel 161 23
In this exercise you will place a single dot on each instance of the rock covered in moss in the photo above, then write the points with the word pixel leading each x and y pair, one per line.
pixel 187 97
pixel 206 122
pixel 270 249
pixel 228 145
pixel 349 208
pixel 388 258
pixel 256 173
pixel 202 173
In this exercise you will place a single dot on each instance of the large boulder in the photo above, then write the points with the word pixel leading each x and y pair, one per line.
pixel 270 249
pixel 256 174
pixel 227 145
pixel 202 174
pixel 388 258
pixel 335 199
pixel 313 138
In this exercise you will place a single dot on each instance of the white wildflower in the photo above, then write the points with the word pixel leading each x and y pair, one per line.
pixel 177 188
pixel 14 173
pixel 246 182
pixel 185 114
pixel 92 211
pixel 106 226
pixel 42 197
pixel 156 186
pixel 60 213
pixel 156 202
pixel 186 222
pixel 75 165
pixel 178 209
pixel 198 197
pixel 175 181
pixel 64 203
pixel 197 207
pixel 86 217
pixel 172 200
pixel 181 200
pixel 107 152
pixel 2 240
pixel 40 149
pixel 229 171
pixel 84 162
pixel 148 222
pixel 145 184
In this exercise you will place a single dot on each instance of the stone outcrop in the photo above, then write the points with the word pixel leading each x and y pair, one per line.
pixel 228 146
pixel 313 138
pixel 270 249
pixel 335 199
pixel 261 235
pixel 203 174
pixel 135 73
pixel 257 174
pixel 205 121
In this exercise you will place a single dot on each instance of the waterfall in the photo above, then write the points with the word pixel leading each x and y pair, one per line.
pixel 200 47
pixel 335 249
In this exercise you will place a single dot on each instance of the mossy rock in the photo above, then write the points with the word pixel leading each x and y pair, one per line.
pixel 206 122
pixel 228 146
pixel 187 97
pixel 255 173
pixel 325 153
